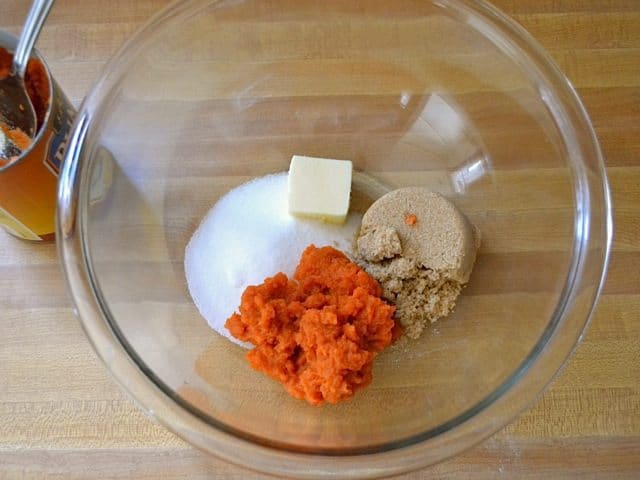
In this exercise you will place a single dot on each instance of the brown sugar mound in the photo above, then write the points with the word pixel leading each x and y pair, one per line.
pixel 421 249
pixel 421 295
pixel 319 332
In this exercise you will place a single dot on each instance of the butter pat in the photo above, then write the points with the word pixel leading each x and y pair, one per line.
pixel 320 188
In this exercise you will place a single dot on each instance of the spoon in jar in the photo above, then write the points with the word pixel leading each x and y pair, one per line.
pixel 16 109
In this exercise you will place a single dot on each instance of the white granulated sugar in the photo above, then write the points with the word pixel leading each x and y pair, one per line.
pixel 247 236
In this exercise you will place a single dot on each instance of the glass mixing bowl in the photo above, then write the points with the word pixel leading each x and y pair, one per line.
pixel 446 94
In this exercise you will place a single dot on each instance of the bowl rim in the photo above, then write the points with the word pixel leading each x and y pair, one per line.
pixel 514 395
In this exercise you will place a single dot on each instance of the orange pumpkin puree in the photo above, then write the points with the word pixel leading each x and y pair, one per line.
pixel 319 332
pixel 37 84
pixel 17 136
pixel 36 81
pixel 410 219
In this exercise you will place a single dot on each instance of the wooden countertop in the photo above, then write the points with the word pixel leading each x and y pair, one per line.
pixel 62 416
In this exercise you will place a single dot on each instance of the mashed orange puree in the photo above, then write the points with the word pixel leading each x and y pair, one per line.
pixel 319 332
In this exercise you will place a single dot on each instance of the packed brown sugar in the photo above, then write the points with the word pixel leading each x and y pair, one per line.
pixel 318 332
pixel 421 249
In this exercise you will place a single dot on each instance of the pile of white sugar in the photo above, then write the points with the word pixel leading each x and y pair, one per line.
pixel 248 236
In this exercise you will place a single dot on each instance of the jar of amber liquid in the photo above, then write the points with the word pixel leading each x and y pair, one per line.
pixel 28 182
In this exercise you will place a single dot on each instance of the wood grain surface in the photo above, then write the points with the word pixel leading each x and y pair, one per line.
pixel 63 417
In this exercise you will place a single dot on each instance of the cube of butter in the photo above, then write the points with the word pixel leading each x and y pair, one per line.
pixel 319 188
